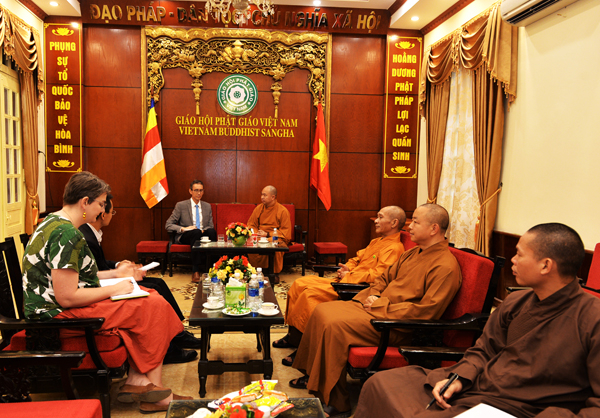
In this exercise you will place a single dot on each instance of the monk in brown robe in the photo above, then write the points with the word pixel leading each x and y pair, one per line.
pixel 371 262
pixel 420 285
pixel 539 354
pixel 264 219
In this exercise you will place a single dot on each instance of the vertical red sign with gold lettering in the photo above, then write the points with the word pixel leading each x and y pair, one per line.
pixel 63 97
pixel 401 142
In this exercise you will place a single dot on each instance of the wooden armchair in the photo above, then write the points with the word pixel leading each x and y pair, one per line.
pixel 347 291
pixel 461 324
pixel 105 356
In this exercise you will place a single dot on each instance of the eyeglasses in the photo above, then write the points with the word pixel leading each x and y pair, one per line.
pixel 113 213
pixel 198 190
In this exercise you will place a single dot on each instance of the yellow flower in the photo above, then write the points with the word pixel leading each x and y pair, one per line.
pixel 221 274
pixel 252 269
pixel 228 268
pixel 238 271
pixel 238 229
pixel 230 262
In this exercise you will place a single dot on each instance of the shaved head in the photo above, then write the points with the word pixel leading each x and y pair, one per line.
pixel 272 190
pixel 396 212
pixel 436 214
pixel 560 243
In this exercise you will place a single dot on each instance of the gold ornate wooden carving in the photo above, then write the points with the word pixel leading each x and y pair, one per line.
pixel 236 51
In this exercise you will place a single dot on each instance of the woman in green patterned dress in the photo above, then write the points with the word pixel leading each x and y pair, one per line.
pixel 61 280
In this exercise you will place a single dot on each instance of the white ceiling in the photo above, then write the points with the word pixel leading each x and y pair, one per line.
pixel 426 10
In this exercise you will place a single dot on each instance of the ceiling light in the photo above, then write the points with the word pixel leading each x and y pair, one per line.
pixel 53 3
pixel 414 18
pixel 75 25
pixel 316 3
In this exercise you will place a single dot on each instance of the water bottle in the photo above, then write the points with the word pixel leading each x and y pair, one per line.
pixel 275 237
pixel 260 277
pixel 261 287
pixel 253 297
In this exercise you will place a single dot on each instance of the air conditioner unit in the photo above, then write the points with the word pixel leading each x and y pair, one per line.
pixel 524 12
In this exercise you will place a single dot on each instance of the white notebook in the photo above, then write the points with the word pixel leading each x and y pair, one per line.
pixel 137 292
pixel 484 411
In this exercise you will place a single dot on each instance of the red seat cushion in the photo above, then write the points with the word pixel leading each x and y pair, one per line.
pixel 76 408
pixel 181 248
pixel 360 358
pixel 111 348
pixel 152 246
pixel 330 248
pixel 295 248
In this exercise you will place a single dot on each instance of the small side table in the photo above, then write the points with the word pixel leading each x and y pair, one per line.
pixel 333 249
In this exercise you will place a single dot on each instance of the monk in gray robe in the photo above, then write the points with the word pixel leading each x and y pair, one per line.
pixel 539 355
pixel 420 285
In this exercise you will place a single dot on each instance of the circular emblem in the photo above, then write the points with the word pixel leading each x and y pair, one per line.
pixel 237 95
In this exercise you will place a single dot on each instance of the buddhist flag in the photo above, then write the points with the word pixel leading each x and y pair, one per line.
pixel 319 172
pixel 153 187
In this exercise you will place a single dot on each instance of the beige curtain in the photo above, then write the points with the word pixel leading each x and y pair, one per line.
pixel 21 42
pixel 488 46
pixel 458 185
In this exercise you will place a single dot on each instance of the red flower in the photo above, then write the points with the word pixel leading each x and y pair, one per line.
pixel 236 258
pixel 245 262
pixel 237 412
pixel 231 226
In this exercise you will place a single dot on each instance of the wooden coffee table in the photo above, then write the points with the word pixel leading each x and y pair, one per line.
pixel 206 250
pixel 216 322
pixel 303 408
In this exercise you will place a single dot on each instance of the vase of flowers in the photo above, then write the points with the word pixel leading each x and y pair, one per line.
pixel 238 233
pixel 226 267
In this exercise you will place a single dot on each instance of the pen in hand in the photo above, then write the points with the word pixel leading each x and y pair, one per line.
pixel 452 378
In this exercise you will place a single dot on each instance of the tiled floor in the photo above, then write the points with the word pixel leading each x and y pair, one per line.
pixel 231 347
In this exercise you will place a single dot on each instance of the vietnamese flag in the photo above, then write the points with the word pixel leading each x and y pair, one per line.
pixel 319 172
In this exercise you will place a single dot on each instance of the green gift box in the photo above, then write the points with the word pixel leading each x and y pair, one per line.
pixel 235 296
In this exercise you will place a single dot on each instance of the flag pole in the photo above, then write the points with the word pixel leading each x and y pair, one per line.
pixel 153 229
pixel 317 193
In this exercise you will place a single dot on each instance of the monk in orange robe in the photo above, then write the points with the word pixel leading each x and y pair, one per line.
pixel 264 219
pixel 420 285
pixel 371 262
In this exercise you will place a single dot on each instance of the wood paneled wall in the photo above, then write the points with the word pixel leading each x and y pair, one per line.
pixel 235 169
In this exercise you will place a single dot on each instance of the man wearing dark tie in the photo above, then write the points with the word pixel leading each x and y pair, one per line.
pixel 191 220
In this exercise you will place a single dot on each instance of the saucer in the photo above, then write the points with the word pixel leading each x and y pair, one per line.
pixel 207 306
pixel 272 313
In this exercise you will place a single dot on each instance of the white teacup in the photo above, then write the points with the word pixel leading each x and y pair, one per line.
pixel 205 239
pixel 269 307
pixel 213 301
pixel 263 240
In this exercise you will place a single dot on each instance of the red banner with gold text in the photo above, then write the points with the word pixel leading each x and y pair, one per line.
pixel 401 140
pixel 63 97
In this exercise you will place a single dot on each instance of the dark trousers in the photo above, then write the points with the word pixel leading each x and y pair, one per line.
pixel 190 237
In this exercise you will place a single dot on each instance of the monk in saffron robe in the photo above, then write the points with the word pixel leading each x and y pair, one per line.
pixel 539 354
pixel 371 262
pixel 264 219
pixel 420 285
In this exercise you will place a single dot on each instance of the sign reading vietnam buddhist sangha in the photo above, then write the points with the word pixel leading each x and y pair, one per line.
pixel 63 97
pixel 193 14
pixel 237 95
pixel 249 126
pixel 401 142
